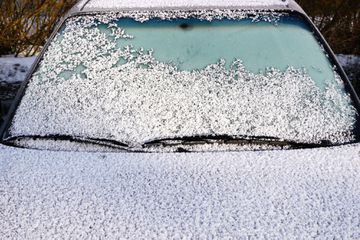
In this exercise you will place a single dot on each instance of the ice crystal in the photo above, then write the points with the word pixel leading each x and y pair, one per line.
pixel 87 86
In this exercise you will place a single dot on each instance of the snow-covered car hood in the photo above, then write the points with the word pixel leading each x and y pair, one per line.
pixel 266 194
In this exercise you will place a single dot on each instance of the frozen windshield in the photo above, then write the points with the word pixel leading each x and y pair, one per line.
pixel 133 81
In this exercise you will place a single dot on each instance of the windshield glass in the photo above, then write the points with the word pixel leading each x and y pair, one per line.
pixel 135 80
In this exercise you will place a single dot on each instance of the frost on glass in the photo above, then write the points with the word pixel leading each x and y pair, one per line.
pixel 86 86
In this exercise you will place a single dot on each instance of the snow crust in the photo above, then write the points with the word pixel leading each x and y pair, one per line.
pixel 258 195
pixel 127 95
pixel 108 4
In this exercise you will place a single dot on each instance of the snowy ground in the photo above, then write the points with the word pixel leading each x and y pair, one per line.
pixel 13 70
pixel 346 60
pixel 351 66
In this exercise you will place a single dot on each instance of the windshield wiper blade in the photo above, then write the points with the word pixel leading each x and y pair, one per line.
pixel 87 140
pixel 237 139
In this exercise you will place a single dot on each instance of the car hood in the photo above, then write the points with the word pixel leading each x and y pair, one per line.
pixel 266 194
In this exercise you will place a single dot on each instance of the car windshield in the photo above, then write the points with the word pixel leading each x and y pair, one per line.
pixel 137 79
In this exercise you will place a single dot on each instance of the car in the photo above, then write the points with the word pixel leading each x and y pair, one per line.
pixel 183 120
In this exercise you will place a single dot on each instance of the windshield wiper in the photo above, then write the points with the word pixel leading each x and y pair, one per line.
pixel 12 141
pixel 229 139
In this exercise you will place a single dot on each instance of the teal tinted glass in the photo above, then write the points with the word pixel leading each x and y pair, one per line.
pixel 194 44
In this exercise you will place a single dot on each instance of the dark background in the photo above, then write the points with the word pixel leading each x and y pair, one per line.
pixel 26 24
pixel 339 22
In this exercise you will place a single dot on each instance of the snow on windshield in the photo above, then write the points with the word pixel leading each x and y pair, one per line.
pixel 87 86
pixel 208 15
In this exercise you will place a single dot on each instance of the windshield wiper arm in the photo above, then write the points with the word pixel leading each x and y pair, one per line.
pixel 238 139
pixel 87 140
